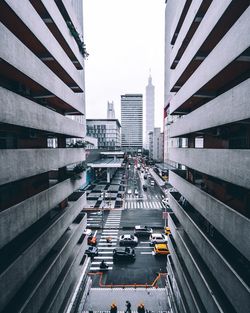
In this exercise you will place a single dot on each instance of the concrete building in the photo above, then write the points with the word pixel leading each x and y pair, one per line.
pixel 107 131
pixel 150 109
pixel 110 111
pixel 156 144
pixel 132 122
pixel 41 221
pixel 208 70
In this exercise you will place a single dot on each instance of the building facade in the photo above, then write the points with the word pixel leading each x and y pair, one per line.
pixel 110 110
pixel 41 220
pixel 208 69
pixel 156 144
pixel 131 122
pixel 150 109
pixel 106 131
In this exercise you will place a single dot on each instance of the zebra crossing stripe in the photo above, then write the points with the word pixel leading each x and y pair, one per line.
pixel 106 248
pixel 98 268
pixel 106 236
pixel 102 257
pixel 147 252
pixel 106 252
pixel 100 262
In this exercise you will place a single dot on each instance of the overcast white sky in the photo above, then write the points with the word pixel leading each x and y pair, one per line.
pixel 124 39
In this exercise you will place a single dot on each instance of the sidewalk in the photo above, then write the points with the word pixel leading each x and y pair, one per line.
pixel 158 180
pixel 100 299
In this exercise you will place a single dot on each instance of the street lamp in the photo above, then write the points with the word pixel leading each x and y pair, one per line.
pixel 102 207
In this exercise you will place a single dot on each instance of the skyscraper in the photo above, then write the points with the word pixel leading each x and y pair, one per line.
pixel 208 74
pixel 131 121
pixel 41 221
pixel 110 111
pixel 150 109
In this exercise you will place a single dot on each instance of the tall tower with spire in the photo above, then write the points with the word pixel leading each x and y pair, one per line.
pixel 150 109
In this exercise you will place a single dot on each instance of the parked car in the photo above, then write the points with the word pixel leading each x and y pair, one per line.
pixel 136 192
pixel 124 254
pixel 92 251
pixel 129 191
pixel 156 238
pixel 167 230
pixel 128 240
pixel 145 176
pixel 144 187
pixel 142 230
pixel 161 248
pixel 152 182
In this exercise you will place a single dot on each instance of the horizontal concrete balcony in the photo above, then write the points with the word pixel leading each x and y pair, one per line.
pixel 190 293
pixel 34 74
pixel 56 23
pixel 64 288
pixel 225 63
pixel 231 224
pixel 16 219
pixel 45 276
pixel 17 164
pixel 49 51
pixel 15 275
pixel 231 165
pixel 222 270
pixel 219 111
pixel 20 111
pixel 208 289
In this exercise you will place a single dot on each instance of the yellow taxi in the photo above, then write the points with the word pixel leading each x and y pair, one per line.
pixel 167 230
pixel 161 248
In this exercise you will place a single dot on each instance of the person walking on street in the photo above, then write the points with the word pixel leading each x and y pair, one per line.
pixel 128 305
pixel 141 308
pixel 113 308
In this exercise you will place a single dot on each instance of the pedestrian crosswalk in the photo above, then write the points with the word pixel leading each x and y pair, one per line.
pixel 94 219
pixel 110 229
pixel 139 204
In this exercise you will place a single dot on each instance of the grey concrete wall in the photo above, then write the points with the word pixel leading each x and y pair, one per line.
pixel 214 13
pixel 19 270
pixel 229 107
pixel 227 221
pixel 17 110
pixel 222 55
pixel 19 217
pixel 184 280
pixel 36 25
pixel 46 282
pixel 17 164
pixel 229 280
pixel 201 278
pixel 35 69
pixel 231 165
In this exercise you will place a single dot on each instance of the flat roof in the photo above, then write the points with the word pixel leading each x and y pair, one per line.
pixel 106 163
pixel 165 166
pixel 112 153
pixel 104 120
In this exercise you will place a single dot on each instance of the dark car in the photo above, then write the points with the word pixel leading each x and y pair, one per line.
pixel 144 187
pixel 124 254
pixel 145 176
pixel 92 251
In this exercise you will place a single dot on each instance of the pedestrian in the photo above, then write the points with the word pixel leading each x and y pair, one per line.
pixel 141 308
pixel 113 308
pixel 128 305
pixel 109 240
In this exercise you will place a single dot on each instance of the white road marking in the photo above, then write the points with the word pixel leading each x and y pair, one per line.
pixel 100 262
pixel 98 268
pixel 103 257
pixel 106 252
pixel 143 247
pixel 144 241
pixel 106 236
pixel 146 252
pixel 107 244
pixel 106 248
pixel 102 240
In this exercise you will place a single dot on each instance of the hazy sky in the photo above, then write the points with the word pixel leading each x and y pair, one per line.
pixel 124 39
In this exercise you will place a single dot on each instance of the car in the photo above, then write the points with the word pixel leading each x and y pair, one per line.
pixel 161 248
pixel 87 232
pixel 124 254
pixel 145 176
pixel 156 238
pixel 128 240
pixel 142 230
pixel 129 191
pixel 144 187
pixel 167 230
pixel 136 192
pixel 92 251
pixel 152 182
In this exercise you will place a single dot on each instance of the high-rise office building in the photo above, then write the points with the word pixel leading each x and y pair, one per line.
pixel 150 109
pixel 156 145
pixel 131 122
pixel 208 70
pixel 41 221
pixel 110 111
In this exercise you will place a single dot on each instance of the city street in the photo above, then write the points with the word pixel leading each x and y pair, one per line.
pixel 144 208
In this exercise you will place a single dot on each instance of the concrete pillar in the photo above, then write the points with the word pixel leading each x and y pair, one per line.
pixel 108 175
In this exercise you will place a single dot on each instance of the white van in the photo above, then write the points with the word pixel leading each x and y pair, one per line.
pixel 152 183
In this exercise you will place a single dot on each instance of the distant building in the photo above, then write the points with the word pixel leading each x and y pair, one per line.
pixel 110 111
pixel 156 145
pixel 107 131
pixel 132 122
pixel 207 113
pixel 150 109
